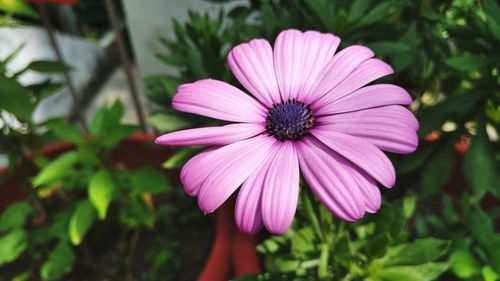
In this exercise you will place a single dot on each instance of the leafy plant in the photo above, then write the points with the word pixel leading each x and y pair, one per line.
pixel 20 134
pixel 377 248
pixel 84 184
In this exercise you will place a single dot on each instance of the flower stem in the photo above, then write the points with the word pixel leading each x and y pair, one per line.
pixel 130 257
pixel 313 214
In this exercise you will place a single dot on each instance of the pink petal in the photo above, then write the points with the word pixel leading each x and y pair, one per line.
pixel 287 53
pixel 216 99
pixel 248 210
pixel 368 187
pixel 390 128
pixel 299 57
pixel 281 190
pixel 330 177
pixel 211 135
pixel 369 97
pixel 386 137
pixel 398 115
pixel 191 179
pixel 252 64
pixel 363 154
pixel 368 71
pixel 318 50
pixel 228 168
pixel 336 70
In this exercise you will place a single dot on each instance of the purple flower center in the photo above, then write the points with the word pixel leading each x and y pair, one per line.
pixel 289 120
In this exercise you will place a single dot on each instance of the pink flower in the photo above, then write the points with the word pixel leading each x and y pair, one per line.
pixel 309 110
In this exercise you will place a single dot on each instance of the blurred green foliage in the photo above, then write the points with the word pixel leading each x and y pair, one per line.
pixel 17 103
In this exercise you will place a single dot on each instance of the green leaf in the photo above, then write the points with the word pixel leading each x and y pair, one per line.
pixel 148 180
pixel 469 63
pixel 22 276
pixel 376 13
pixel 64 130
pixel 45 89
pixel 116 134
pixel 359 8
pixel 57 169
pixel 492 9
pixel 15 216
pixel 46 66
pixel 171 59
pixel 424 272
pixel 136 212
pixel 482 229
pixel 409 204
pixel 17 7
pixel 167 122
pixel 282 265
pixel 323 262
pixel 106 118
pixel 417 252
pixel 384 48
pixel 481 168
pixel 179 158
pixel 12 245
pixel 268 246
pixel 161 88
pixel 60 262
pixel 489 274
pixel 436 173
pixel 101 191
pixel 13 54
pixel 15 99
pixel 80 222
pixel 464 265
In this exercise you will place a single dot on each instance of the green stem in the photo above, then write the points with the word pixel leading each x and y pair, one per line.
pixel 131 253
pixel 314 215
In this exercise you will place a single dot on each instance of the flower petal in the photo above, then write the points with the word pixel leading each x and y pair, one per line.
pixel 386 137
pixel 248 210
pixel 299 57
pixel 317 51
pixel 229 167
pixel 217 99
pixel 369 97
pixel 330 177
pixel 287 53
pixel 191 179
pixel 336 70
pixel 363 154
pixel 211 135
pixel 281 189
pixel 252 64
pixel 390 128
pixel 368 187
pixel 368 71
pixel 398 115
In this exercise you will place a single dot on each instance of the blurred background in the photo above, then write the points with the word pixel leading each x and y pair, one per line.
pixel 86 85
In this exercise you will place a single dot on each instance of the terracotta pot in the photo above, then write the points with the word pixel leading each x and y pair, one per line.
pixel 231 248
pixel 233 253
